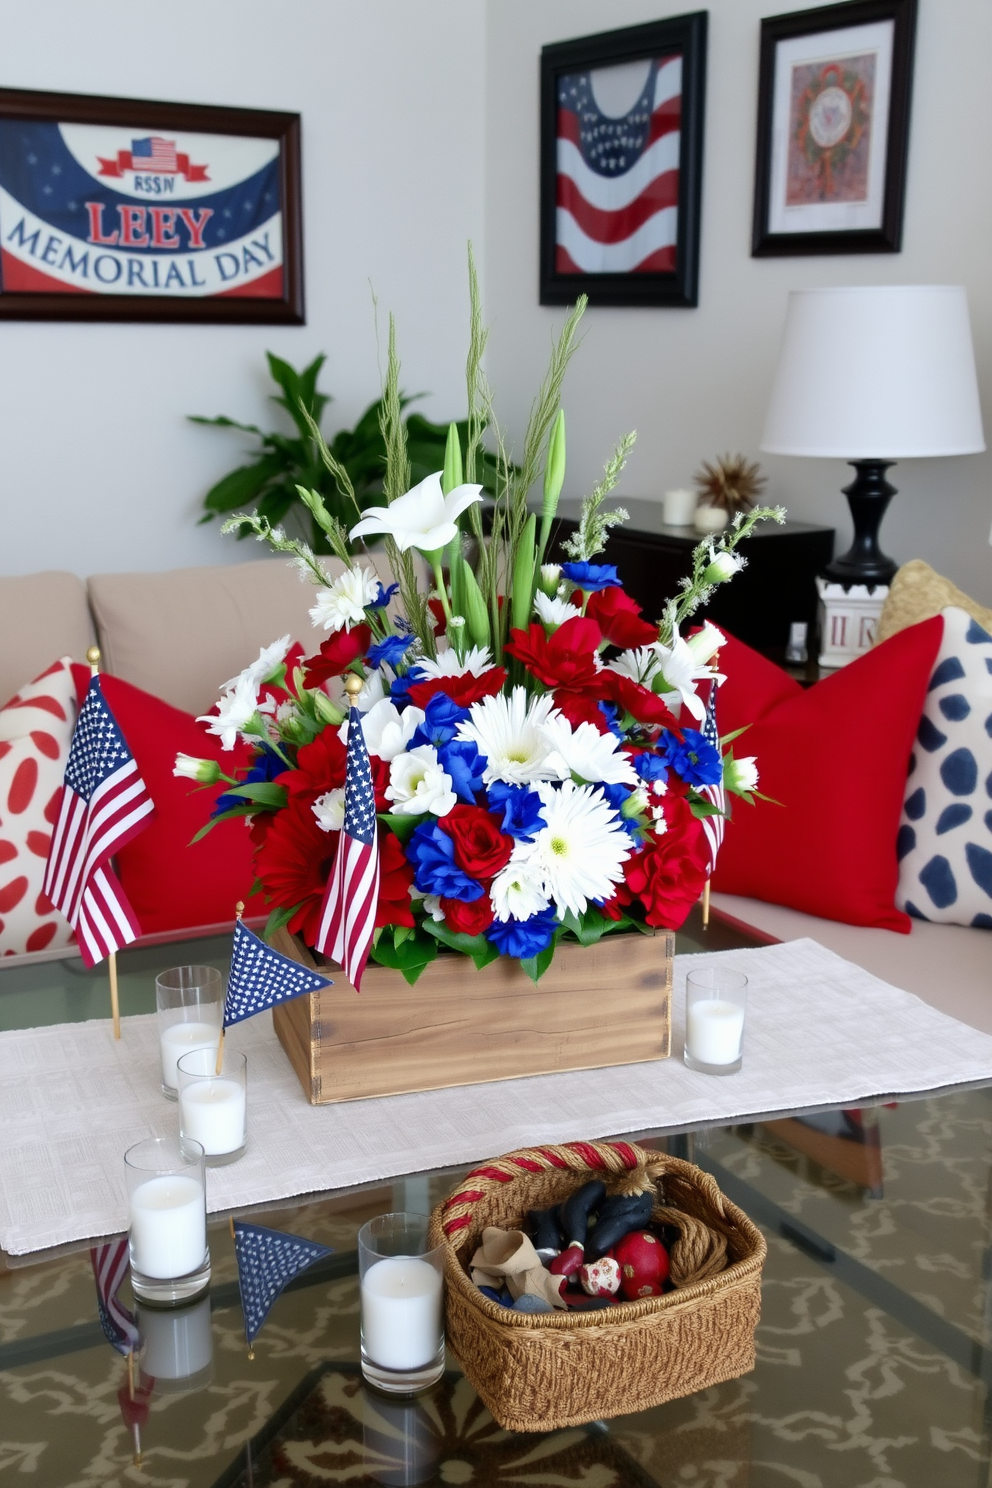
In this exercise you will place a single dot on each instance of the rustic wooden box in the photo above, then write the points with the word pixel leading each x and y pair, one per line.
pixel 596 1005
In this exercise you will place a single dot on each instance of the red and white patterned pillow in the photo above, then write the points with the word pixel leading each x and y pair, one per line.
pixel 35 734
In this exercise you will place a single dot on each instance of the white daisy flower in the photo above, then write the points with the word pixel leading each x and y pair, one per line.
pixel 585 752
pixel 553 611
pixel 477 660
pixel 417 784
pixel 343 604
pixel 239 713
pixel 641 664
pixel 329 810
pixel 269 659
pixel 517 891
pixel 507 731
pixel 387 731
pixel 579 854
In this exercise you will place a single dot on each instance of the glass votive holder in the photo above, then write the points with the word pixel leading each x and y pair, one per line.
pixel 402 1286
pixel 177 1349
pixel 190 1004
pixel 167 1212
pixel 715 1003
pixel 213 1108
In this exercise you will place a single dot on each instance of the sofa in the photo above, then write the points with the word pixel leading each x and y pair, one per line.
pixel 177 635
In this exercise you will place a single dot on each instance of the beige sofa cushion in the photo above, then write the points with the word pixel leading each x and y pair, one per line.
pixel 180 634
pixel 42 616
pixel 918 592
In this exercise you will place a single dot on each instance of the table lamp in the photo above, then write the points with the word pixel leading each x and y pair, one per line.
pixel 874 375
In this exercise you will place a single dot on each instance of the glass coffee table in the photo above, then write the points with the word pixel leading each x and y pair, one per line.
pixel 874 1347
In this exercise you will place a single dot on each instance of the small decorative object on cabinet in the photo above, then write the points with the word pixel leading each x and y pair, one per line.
pixel 849 616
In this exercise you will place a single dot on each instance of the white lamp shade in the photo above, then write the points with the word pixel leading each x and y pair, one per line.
pixel 876 374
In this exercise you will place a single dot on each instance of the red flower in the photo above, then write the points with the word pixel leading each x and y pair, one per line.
pixel 320 767
pixel 395 878
pixel 669 874
pixel 337 653
pixel 567 658
pixel 464 690
pixel 293 859
pixel 640 702
pixel 437 612
pixel 619 618
pixel 468 919
pixel 481 849
pixel 580 707
pixel 380 780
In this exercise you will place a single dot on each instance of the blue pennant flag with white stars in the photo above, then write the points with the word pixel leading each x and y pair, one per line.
pixel 260 978
pixel 267 1261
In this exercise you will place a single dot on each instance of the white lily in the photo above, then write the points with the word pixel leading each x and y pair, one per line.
pixel 417 784
pixel 329 810
pixel 343 604
pixel 269 660
pixel 424 518
pixel 705 644
pixel 387 731
pixel 584 752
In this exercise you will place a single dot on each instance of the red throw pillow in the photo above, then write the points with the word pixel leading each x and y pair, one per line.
pixel 836 756
pixel 171 884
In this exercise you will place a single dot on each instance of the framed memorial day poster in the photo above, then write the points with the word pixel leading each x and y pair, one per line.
pixel 621 164
pixel 833 129
pixel 119 209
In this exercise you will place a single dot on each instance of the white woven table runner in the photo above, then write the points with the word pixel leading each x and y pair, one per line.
pixel 819 1031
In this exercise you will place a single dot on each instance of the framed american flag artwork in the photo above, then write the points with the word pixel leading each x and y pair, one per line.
pixel 123 209
pixel 621 164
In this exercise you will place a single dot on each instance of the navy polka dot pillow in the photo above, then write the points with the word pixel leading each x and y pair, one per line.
pixel 945 834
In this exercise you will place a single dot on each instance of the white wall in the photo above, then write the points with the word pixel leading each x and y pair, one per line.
pixel 695 382
pixel 98 468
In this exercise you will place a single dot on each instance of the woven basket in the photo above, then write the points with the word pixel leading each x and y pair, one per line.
pixel 540 1372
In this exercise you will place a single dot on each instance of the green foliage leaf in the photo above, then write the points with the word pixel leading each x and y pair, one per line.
pixel 266 794
pixel 481 950
pixel 224 816
pixel 590 926
pixel 536 966
pixel 279 916
pixel 242 486
pixel 409 957
pixel 402 827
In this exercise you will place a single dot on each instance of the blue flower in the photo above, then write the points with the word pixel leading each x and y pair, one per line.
pixel 391 650
pixel 650 766
pixel 461 760
pixel 524 938
pixel 592 576
pixel 382 598
pixel 693 759
pixel 399 688
pixel 265 766
pixel 612 715
pixel 442 719
pixel 521 809
pixel 617 794
pixel 432 853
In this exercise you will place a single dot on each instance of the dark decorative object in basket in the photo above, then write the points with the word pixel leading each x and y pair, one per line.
pixel 537 1373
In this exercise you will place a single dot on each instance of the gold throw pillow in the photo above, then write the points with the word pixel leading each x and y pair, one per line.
pixel 917 593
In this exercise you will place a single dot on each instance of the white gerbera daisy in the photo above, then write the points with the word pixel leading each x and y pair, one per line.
pixel 477 660
pixel 269 660
pixel 417 783
pixel 517 891
pixel 508 731
pixel 329 810
pixel 553 611
pixel 585 752
pixel 343 604
pixel 579 854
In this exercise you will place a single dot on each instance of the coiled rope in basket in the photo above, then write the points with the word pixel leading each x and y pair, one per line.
pixel 539 1372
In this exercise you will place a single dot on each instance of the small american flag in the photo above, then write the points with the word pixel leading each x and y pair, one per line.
pixel 267 1261
pixel 618 176
pixel 154 154
pixel 110 1266
pixel 713 826
pixel 260 978
pixel 105 803
pixel 347 916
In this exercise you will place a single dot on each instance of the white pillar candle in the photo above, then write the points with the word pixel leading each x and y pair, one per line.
pixel 212 1112
pixel 714 1029
pixel 168 1226
pixel 401 1312
pixel 181 1038
pixel 678 507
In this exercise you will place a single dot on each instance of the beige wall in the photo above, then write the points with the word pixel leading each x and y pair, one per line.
pixel 695 382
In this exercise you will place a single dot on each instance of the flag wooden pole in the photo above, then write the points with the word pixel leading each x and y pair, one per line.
pixel 93 657
pixel 706 905
pixel 239 910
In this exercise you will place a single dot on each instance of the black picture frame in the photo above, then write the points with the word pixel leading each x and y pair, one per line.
pixel 884 200
pixel 33 299
pixel 683 36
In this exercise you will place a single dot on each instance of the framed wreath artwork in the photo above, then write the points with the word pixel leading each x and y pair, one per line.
pixel 621 164
pixel 833 129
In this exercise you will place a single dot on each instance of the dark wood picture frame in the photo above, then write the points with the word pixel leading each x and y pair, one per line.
pixel 886 235
pixel 680 35
pixel 139 114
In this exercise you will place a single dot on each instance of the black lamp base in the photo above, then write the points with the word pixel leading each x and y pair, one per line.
pixel 868 495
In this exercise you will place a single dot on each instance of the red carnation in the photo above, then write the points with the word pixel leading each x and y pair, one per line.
pixel 481 849
pixel 580 707
pixel 395 878
pixel 566 658
pixel 320 767
pixel 669 874
pixel 464 690
pixel 640 702
pixel 293 861
pixel 619 618
pixel 337 653
pixel 468 919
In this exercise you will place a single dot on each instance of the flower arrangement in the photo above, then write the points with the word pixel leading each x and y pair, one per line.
pixel 536 744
